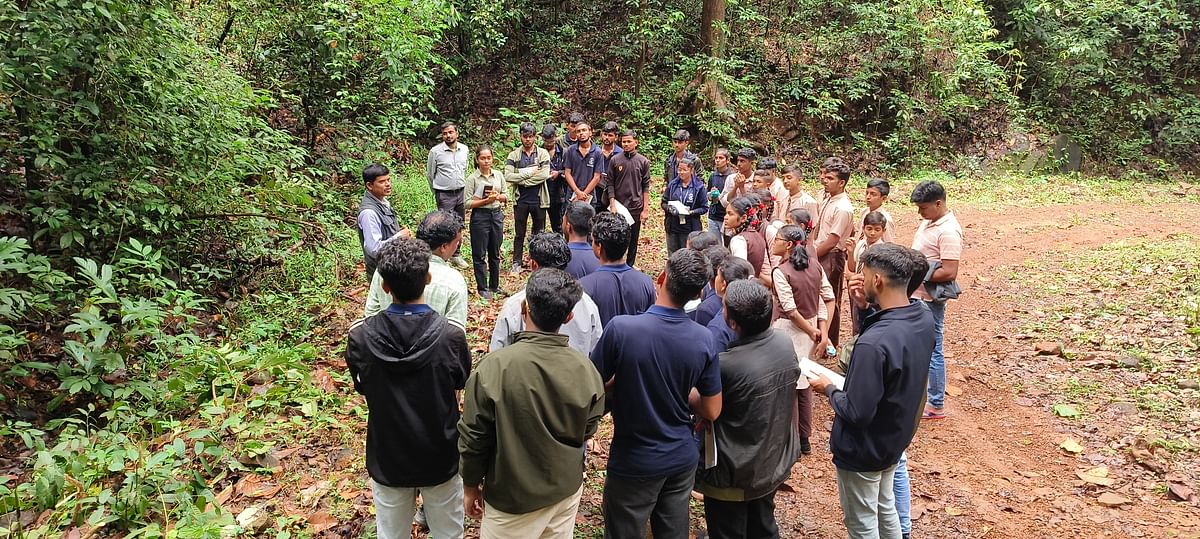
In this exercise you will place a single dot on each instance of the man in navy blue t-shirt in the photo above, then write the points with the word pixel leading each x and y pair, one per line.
pixel 614 286
pixel 660 368
pixel 577 223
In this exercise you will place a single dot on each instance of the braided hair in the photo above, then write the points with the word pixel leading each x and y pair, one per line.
pixel 802 218
pixel 798 237
pixel 745 206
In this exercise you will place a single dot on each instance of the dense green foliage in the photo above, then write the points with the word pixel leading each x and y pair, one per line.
pixel 177 177
pixel 1122 77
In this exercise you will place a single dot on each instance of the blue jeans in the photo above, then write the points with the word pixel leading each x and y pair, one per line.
pixel 937 362
pixel 903 490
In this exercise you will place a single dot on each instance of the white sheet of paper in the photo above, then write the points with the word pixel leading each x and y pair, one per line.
pixel 812 369
pixel 621 210
pixel 681 210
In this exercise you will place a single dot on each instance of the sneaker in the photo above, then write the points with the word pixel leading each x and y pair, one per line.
pixel 805 447
pixel 496 293
pixel 486 294
pixel 458 262
pixel 906 536
pixel 516 269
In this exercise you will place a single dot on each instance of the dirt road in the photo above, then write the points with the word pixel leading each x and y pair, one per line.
pixel 994 467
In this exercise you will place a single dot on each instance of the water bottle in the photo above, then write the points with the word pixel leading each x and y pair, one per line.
pixel 830 351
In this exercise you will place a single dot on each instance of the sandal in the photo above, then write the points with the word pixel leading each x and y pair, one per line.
pixel 933 413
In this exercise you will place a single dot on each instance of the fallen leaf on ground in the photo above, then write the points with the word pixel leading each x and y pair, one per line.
pixel 953 511
pixel 321 521
pixel 313 494
pixel 252 486
pixel 1097 476
pixel 1065 410
pixel 1109 499
pixel 953 391
pixel 1071 446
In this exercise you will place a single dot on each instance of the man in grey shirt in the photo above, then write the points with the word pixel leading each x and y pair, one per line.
pixel 446 169
pixel 549 250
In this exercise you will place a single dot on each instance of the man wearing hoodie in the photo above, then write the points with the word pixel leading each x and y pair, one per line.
pixel 875 415
pixel 408 361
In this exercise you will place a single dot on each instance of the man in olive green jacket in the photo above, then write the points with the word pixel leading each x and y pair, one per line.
pixel 528 411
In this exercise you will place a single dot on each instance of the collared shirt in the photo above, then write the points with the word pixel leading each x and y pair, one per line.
pixel 372 228
pixel 710 307
pixel 657 358
pixel 619 289
pixel 875 414
pixel 476 182
pixel 583 260
pixel 835 216
pixel 582 331
pixel 608 158
pixel 938 241
pixel 801 200
pixel 584 166
pixel 446 169
pixel 558 159
pixel 528 411
pixel 671 166
pixel 446 293
pixel 889 229
pixel 721 333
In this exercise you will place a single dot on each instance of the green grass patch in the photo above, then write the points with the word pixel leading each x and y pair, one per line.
pixel 1002 188
pixel 1128 302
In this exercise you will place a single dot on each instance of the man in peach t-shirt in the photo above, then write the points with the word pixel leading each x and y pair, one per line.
pixel 940 238
pixel 835 223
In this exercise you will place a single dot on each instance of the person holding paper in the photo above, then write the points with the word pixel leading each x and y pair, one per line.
pixel 628 185
pixel 875 415
pixel 684 201
pixel 755 442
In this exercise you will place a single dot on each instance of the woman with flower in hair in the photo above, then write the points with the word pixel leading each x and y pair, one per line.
pixel 801 306
pixel 748 243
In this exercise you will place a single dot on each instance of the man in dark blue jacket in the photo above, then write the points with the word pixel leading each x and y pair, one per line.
pixel 875 416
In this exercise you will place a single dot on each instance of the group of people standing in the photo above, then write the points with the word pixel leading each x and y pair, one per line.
pixel 699 366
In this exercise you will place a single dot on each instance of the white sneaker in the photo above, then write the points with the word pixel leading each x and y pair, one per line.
pixel 458 262
pixel 516 269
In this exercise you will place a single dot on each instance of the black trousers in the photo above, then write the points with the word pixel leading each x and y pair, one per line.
pixel 521 214
pixel 635 232
pixel 451 201
pixel 752 519
pixel 558 205
pixel 629 502
pixel 834 264
pixel 676 242
pixel 487 233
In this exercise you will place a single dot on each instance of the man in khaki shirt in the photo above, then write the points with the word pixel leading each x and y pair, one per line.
pixel 797 197
pixel 835 223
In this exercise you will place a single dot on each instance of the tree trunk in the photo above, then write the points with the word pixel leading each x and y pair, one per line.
pixel 712 23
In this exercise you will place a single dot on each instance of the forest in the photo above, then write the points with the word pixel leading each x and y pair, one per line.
pixel 178 250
